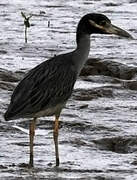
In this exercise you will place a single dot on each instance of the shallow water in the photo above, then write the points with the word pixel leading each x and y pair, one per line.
pixel 97 133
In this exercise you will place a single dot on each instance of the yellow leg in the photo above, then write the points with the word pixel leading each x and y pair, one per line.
pixel 55 135
pixel 31 136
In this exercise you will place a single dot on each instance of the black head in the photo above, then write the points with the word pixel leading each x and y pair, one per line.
pixel 99 24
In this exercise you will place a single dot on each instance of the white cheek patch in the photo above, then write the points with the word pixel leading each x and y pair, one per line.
pixel 96 25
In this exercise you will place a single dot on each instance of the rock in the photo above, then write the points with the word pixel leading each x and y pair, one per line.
pixel 108 68
pixel 117 144
pixel 89 94
pixel 88 70
pixel 3 167
pixel 7 86
pixel 101 79
pixel 83 106
pixel 3 52
pixel 129 84
pixel 111 4
pixel 9 76
pixel 133 1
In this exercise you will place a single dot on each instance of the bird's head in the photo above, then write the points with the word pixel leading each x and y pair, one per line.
pixel 99 24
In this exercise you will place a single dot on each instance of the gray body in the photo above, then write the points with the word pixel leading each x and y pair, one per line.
pixel 46 88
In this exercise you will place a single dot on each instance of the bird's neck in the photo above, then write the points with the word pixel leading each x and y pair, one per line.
pixel 82 51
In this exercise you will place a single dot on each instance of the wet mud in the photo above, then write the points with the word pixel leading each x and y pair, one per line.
pixel 98 127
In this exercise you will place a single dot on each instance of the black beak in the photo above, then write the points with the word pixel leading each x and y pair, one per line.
pixel 111 29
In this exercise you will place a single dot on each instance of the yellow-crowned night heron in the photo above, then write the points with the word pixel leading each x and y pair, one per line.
pixel 46 88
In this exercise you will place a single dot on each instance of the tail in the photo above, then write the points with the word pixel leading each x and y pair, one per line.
pixel 8 115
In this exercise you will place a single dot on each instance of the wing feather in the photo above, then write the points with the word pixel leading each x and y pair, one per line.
pixel 47 85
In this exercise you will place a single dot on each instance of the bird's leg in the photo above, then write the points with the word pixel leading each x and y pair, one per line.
pixel 31 136
pixel 55 135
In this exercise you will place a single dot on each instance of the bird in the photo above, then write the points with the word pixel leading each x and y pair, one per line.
pixel 45 89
